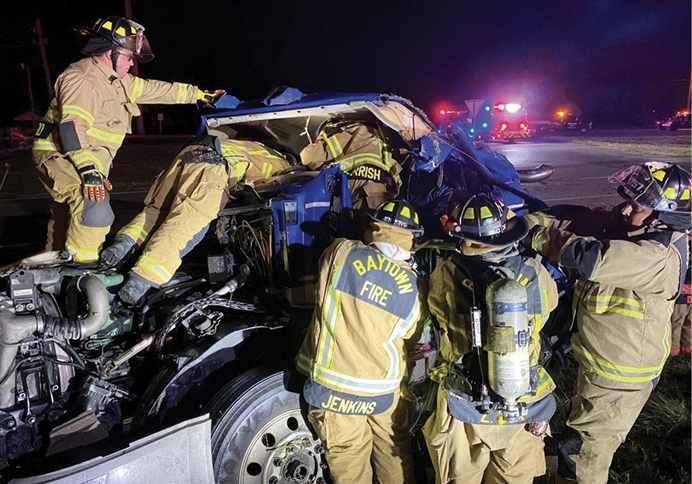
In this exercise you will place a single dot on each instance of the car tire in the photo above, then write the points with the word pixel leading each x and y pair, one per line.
pixel 259 432
pixel 673 127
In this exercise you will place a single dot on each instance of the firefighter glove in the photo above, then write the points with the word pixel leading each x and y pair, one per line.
pixel 207 97
pixel 94 184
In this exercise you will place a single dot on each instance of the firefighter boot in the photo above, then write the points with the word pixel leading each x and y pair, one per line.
pixel 118 252
pixel 134 289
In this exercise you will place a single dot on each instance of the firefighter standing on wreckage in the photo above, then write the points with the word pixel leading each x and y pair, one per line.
pixel 95 100
pixel 181 204
pixel 494 400
pixel 369 304
pixel 361 151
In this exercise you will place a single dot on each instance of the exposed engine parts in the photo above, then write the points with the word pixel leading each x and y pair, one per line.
pixel 72 357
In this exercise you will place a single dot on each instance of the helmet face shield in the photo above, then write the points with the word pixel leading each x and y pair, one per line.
pixel 665 190
pixel 123 33
pixel 136 43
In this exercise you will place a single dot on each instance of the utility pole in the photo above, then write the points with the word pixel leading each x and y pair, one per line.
pixel 42 47
pixel 31 94
pixel 139 120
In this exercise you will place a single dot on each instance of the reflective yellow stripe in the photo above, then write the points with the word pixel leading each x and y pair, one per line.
pixel 78 111
pixel 136 232
pixel 333 145
pixel 136 89
pixel 44 145
pixel 229 154
pixel 331 340
pixel 106 136
pixel 523 280
pixel 615 304
pixel 82 254
pixel 617 372
pixel 182 93
pixel 540 242
pixel 538 219
pixel 155 268
pixel 345 382
pixel 263 153
pixel 545 381
pixel 51 115
pixel 400 329
pixel 329 314
pixel 242 169
pixel 86 157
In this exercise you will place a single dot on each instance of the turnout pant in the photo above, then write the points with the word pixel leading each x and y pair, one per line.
pixel 465 453
pixel 78 225
pixel 603 412
pixel 358 445
pixel 181 203
pixel 681 329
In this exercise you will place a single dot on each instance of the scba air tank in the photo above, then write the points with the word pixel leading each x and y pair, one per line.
pixel 507 340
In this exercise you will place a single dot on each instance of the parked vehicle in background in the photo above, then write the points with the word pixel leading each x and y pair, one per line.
pixel 572 122
pixel 681 120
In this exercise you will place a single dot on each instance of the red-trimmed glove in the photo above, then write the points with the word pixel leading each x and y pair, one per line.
pixel 94 183
pixel 207 97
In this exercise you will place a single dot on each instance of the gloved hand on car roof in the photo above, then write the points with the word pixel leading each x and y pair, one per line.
pixel 208 97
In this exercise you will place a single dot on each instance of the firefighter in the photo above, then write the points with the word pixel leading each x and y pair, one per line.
pixel 361 151
pixel 622 307
pixel 681 323
pixel 95 99
pixel 370 305
pixel 182 202
pixel 491 413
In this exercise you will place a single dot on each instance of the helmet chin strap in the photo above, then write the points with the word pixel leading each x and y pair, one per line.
pixel 114 59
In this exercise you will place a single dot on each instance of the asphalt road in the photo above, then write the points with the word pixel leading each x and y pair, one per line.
pixel 581 171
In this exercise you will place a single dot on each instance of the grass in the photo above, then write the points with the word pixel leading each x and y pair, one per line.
pixel 135 167
pixel 655 144
pixel 641 148
pixel 657 449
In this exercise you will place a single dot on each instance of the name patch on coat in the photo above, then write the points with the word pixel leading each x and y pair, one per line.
pixel 372 278
pixel 344 403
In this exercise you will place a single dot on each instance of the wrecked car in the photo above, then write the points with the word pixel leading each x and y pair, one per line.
pixel 83 376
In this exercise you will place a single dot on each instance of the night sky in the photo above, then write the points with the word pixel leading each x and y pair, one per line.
pixel 615 61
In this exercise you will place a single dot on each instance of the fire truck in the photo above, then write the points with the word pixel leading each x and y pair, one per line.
pixel 510 122
pixel 488 121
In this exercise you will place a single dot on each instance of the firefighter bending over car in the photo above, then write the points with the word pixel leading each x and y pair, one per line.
pixel 494 400
pixel 370 304
pixel 360 150
pixel 630 275
pixel 182 202
pixel 95 100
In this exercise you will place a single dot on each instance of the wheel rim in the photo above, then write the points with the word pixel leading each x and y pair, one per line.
pixel 283 452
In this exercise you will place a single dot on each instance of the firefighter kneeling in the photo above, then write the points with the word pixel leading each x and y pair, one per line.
pixel 369 304
pixel 493 401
